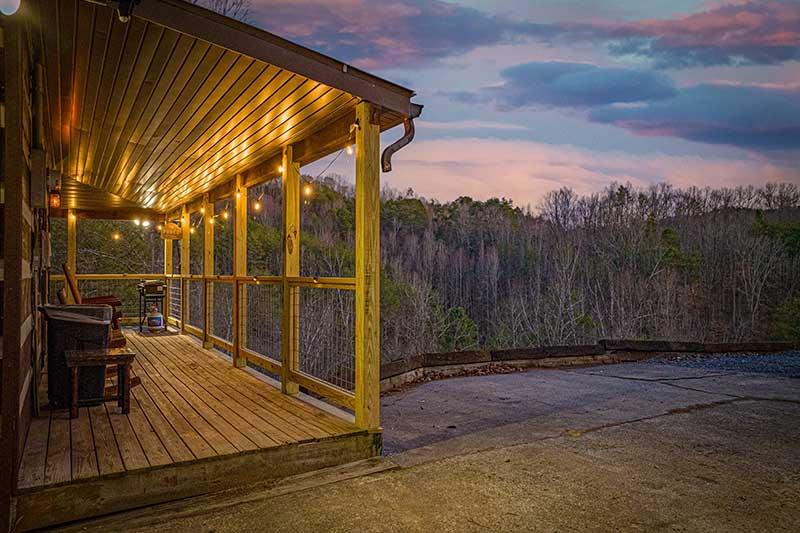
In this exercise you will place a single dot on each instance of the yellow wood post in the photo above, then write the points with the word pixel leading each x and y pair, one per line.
pixel 239 270
pixel 185 268
pixel 208 271
pixel 290 326
pixel 72 246
pixel 167 272
pixel 368 257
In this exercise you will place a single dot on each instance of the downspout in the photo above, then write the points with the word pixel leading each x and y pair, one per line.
pixel 386 157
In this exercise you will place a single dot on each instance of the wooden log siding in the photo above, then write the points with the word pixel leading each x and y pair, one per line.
pixel 18 324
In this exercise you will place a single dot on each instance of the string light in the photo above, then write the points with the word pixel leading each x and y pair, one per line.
pixel 225 214
pixel 203 210
pixel 257 205
pixel 280 169
pixel 191 230
pixel 211 221
pixel 308 189
pixel 146 223
pixel 238 194
pixel 9 7
pixel 159 227
pixel 349 150
pixel 137 221
pixel 116 236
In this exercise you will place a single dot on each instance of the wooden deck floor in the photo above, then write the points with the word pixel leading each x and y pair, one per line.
pixel 192 408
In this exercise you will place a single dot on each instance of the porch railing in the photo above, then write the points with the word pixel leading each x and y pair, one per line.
pixel 244 317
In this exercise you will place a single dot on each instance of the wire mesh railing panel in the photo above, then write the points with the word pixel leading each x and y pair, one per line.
pixel 195 296
pixel 124 289
pixel 327 335
pixel 261 313
pixel 222 310
pixel 175 301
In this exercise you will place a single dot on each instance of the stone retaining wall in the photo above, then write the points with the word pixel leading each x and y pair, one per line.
pixel 606 351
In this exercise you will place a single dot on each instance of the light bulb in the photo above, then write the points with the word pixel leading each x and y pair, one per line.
pixel 280 168
pixel 159 227
pixel 238 195
pixel 211 221
pixel 257 205
pixel 307 190
pixel 191 230
pixel 116 236
pixel 146 223
pixel 9 7
pixel 225 215
pixel 203 210
pixel 137 221
pixel 349 150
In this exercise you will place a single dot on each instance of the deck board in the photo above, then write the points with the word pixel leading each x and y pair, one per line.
pixel 84 455
pixel 201 426
pixel 239 431
pixel 281 429
pixel 109 459
pixel 169 437
pixel 192 404
pixel 131 452
pixel 315 422
pixel 58 468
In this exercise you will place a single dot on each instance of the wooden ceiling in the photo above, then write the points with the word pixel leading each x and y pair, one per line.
pixel 154 117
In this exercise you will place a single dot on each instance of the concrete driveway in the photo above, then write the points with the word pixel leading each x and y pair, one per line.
pixel 639 446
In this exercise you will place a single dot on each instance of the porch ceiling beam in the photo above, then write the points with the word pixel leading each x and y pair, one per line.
pixel 123 213
pixel 258 44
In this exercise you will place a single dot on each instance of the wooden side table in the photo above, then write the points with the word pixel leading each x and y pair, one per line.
pixel 122 357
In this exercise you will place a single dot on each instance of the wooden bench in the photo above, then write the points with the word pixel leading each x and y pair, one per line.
pixel 122 357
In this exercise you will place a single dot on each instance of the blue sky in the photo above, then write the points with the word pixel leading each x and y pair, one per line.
pixel 525 97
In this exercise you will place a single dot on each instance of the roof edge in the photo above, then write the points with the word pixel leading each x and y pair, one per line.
pixel 231 34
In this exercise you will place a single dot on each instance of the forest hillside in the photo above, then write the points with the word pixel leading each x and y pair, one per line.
pixel 654 263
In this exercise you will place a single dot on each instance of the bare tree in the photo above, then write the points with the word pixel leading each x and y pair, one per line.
pixel 237 9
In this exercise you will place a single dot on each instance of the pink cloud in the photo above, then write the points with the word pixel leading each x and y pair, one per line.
pixel 525 171
pixel 763 32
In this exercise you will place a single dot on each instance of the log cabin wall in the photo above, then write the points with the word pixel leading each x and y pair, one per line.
pixel 22 267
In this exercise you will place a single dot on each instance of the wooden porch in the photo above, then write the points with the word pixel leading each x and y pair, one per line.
pixel 175 117
pixel 197 424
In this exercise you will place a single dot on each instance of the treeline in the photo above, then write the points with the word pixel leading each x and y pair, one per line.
pixel 656 263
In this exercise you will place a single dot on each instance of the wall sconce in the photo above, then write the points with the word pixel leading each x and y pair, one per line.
pixel 54 200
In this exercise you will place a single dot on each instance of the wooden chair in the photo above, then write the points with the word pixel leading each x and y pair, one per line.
pixel 113 301
pixel 116 339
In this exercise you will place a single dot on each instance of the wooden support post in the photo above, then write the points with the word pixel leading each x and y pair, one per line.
pixel 185 242
pixel 167 272
pixel 368 272
pixel 239 270
pixel 72 247
pixel 208 271
pixel 290 330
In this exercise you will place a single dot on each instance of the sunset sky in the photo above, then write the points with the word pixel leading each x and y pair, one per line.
pixel 525 97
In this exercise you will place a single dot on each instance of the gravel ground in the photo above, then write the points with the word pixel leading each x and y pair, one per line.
pixel 786 364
